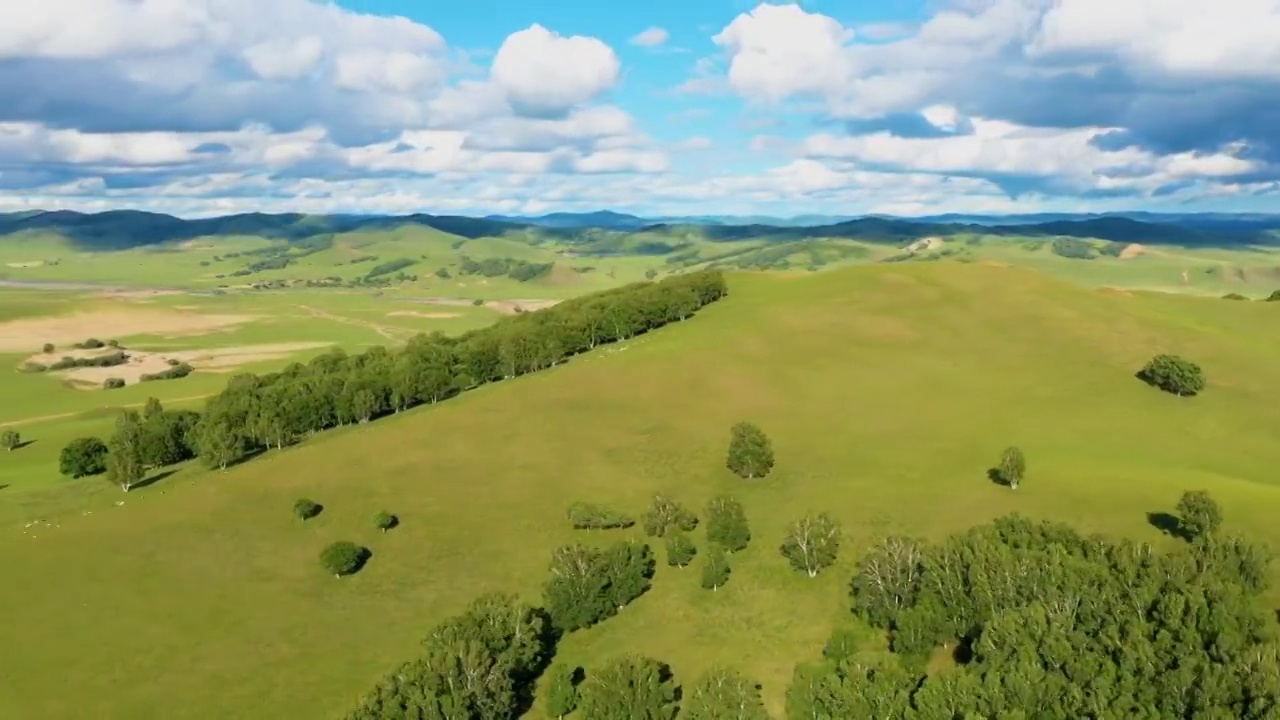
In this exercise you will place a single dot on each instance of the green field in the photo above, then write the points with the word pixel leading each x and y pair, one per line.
pixel 888 390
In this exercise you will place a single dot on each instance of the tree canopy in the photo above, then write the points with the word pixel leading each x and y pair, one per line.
pixel 1173 374
pixel 631 687
pixel 750 451
pixel 83 456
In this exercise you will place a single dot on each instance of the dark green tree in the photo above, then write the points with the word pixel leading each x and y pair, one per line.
pixel 562 690
pixel 1012 467
pixel 306 508
pixel 113 383
pixel 665 514
pixel 680 549
pixel 715 567
pixel 630 687
pixel 1173 374
pixel 126 448
pixel 83 456
pixel 724 694
pixel 727 523
pixel 343 558
pixel 750 452
pixel 384 521
pixel 10 439
pixel 1199 515
pixel 48 348
pixel 812 543
pixel 589 584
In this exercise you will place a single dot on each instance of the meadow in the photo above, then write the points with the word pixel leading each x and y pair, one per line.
pixel 888 390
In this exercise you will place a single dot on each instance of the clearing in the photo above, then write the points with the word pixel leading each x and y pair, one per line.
pixel 26 334
pixel 887 393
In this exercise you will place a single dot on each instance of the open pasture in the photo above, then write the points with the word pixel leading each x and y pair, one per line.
pixel 887 391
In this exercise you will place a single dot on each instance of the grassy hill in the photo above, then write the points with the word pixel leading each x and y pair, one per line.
pixel 887 390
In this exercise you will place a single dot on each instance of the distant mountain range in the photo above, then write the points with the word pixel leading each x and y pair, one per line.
pixel 130 228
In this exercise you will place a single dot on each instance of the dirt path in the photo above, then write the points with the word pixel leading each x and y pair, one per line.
pixel 393 334
pixel 62 416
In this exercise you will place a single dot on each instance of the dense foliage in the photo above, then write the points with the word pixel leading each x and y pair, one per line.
pixel 715 568
pixel 479 665
pixel 750 452
pixel 631 687
pixel 334 389
pixel 180 370
pixel 1173 374
pixel 812 543
pixel 83 456
pixel 562 690
pixel 680 549
pixel 723 694
pixel 1073 248
pixel 727 523
pixel 588 585
pixel 1056 625
pixel 1199 516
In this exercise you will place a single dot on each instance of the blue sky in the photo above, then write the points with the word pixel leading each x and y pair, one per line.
pixel 907 107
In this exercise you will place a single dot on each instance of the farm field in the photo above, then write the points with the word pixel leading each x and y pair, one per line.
pixel 888 390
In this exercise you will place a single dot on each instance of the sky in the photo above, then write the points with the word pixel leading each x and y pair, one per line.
pixel 667 107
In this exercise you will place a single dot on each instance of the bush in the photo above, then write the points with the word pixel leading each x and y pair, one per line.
pixel 585 516
pixel 344 558
pixel 1234 296
pixel 10 439
pixel 90 344
pixel 116 358
pixel 384 521
pixel 477 302
pixel 113 383
pixel 306 508
pixel 180 370
pixel 1174 375
pixel 1274 296
pixel 1073 248
pixel 83 456
pixel 48 348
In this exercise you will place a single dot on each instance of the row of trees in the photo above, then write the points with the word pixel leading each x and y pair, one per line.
pixel 271 411
pixel 255 413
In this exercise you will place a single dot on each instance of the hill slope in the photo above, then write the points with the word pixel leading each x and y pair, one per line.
pixel 887 391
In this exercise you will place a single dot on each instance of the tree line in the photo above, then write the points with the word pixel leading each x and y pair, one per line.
pixel 255 413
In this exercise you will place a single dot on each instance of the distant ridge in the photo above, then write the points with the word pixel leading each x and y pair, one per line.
pixel 118 229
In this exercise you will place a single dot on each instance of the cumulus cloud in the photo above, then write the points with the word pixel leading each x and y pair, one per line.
pixel 545 73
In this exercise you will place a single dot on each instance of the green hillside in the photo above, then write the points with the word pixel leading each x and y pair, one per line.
pixel 888 390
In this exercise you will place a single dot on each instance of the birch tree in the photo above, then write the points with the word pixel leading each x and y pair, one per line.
pixel 812 543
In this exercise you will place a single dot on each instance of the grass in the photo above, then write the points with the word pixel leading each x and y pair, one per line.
pixel 887 391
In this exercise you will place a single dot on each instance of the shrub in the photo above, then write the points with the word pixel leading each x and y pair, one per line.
pixel 90 344
pixel 1274 296
pixel 83 456
pixel 306 508
pixel 384 521
pixel 116 358
pixel 1234 296
pixel 49 348
pixel 477 302
pixel 113 383
pixel 10 439
pixel 344 558
pixel 585 516
pixel 180 370
pixel 1174 375
pixel 1073 248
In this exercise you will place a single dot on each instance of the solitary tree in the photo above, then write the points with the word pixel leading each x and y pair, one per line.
pixel 750 452
pixel 1012 467
pixel 306 508
pixel 715 569
pixel 126 451
pixel 343 558
pixel 723 694
pixel 385 521
pixel 680 549
pixel 1174 375
pixel 83 456
pixel 812 543
pixel 1199 515
pixel 727 523
pixel 562 690
pixel 630 687
pixel 10 439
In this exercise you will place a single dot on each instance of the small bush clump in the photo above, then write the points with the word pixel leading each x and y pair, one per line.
pixel 180 370
pixel 113 383
pixel 344 558
pixel 1173 375
pixel 586 516
pixel 306 508
pixel 384 521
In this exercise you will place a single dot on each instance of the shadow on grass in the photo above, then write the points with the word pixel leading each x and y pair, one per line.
pixel 1168 524
pixel 149 481
pixel 23 444
pixel 3 486
pixel 993 474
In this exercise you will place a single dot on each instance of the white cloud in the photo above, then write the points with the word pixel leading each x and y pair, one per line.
pixel 546 73
pixel 651 37
pixel 779 51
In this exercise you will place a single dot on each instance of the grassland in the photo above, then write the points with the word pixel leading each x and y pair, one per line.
pixel 887 390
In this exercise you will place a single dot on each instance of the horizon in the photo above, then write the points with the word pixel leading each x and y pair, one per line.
pixel 909 109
